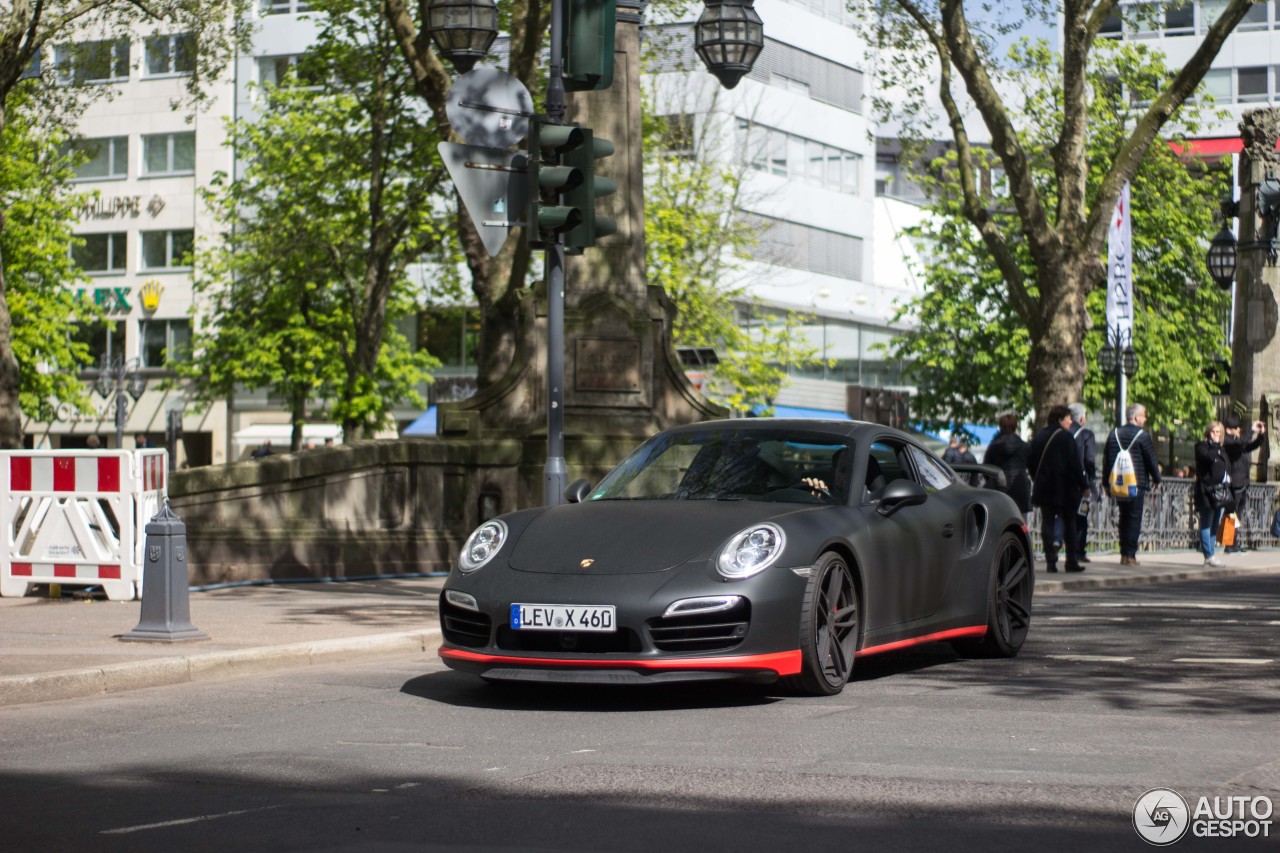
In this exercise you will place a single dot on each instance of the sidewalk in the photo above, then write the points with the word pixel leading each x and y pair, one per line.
pixel 66 648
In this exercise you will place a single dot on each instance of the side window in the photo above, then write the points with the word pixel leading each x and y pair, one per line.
pixel 933 475
pixel 886 462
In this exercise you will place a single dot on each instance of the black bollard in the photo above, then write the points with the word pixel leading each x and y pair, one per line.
pixel 166 606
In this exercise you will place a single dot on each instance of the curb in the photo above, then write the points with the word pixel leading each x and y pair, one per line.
pixel 160 672
pixel 1044 584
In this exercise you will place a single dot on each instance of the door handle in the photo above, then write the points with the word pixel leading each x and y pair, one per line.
pixel 948 530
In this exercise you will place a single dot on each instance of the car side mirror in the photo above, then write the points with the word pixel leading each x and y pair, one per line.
pixel 578 491
pixel 901 493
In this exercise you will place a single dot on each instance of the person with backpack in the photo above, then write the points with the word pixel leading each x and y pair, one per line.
pixel 1057 485
pixel 1131 470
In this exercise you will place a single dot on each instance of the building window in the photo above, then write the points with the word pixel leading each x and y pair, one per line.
pixel 169 154
pixel 675 135
pixel 780 153
pixel 167 249
pixel 92 61
pixel 165 342
pixel 1180 20
pixel 790 244
pixel 1112 27
pixel 1251 84
pixel 101 254
pixel 284 7
pixel 100 159
pixel 1254 19
pixel 1217 84
pixel 169 55
pixel 103 339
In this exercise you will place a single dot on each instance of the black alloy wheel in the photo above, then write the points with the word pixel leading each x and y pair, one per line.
pixel 830 627
pixel 1011 584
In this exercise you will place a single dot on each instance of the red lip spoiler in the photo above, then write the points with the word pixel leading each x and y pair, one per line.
pixel 783 663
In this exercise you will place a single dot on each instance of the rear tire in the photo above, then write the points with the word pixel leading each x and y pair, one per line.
pixel 1009 591
pixel 830 628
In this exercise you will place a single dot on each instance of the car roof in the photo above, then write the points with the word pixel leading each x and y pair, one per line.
pixel 808 426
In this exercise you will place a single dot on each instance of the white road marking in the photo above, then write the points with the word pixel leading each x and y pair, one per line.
pixel 1239 661
pixel 1181 605
pixel 1090 618
pixel 1092 658
pixel 124 830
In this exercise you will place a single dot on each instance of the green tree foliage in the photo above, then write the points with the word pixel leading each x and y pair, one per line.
pixel 1061 216
pixel 696 243
pixel 38 211
pixel 333 205
pixel 29 33
pixel 970 348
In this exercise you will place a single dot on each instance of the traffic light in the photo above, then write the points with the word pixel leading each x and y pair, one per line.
pixel 587 56
pixel 582 196
pixel 552 176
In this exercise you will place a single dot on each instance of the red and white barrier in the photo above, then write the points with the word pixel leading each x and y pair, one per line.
pixel 77 517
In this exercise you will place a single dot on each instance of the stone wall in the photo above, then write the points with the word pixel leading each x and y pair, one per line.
pixel 369 508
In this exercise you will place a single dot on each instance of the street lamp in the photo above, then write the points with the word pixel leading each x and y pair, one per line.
pixel 119 375
pixel 1221 259
pixel 462 30
pixel 728 37
pixel 1118 357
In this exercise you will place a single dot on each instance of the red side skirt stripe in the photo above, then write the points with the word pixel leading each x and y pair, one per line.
pixel 953 634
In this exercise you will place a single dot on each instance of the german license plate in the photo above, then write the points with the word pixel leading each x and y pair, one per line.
pixel 563 617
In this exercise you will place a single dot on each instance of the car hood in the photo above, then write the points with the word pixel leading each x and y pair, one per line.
pixel 635 537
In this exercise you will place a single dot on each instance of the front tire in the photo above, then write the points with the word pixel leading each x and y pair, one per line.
pixel 830 626
pixel 1009 590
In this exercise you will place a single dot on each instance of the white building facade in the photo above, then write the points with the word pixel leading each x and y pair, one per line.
pixel 801 120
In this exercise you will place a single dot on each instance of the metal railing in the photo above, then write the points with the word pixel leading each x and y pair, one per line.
pixel 1170 520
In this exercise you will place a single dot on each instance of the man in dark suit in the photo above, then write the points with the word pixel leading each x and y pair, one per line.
pixel 1137 440
pixel 1058 484
pixel 1087 444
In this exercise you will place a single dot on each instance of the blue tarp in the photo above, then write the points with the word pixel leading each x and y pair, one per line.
pixel 424 425
pixel 797 412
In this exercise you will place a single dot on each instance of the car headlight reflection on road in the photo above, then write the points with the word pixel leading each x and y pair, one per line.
pixel 483 543
pixel 751 551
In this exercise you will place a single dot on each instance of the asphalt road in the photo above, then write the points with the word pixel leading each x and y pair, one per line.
pixel 1116 692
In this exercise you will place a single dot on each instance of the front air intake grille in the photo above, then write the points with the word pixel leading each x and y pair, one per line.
pixel 703 632
pixel 586 642
pixel 464 627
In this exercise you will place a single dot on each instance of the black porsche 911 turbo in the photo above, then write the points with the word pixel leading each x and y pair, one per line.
pixel 755 549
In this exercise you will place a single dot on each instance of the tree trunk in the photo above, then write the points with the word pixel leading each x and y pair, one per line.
pixel 1056 365
pixel 10 373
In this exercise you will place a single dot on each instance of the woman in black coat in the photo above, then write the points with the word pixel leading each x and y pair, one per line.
pixel 1008 452
pixel 1058 483
pixel 1212 470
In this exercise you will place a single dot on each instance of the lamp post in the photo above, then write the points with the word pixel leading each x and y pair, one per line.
pixel 728 37
pixel 120 376
pixel 1119 357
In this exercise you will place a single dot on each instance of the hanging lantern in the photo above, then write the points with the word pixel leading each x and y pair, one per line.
pixel 728 37
pixel 462 30
pixel 1221 259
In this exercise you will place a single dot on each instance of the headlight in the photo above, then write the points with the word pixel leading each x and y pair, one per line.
pixel 751 551
pixel 485 541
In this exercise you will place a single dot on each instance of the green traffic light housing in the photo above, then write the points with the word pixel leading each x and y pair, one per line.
pixel 583 196
pixel 587 55
pixel 551 176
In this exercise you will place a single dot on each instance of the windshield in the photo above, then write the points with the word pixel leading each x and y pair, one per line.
pixel 755 464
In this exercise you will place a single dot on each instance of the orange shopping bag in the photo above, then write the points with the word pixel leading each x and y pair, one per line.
pixel 1227 530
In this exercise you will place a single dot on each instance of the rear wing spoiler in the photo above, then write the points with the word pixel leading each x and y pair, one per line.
pixel 992 473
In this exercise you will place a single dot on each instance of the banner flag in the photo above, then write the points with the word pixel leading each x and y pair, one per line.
pixel 1119 270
